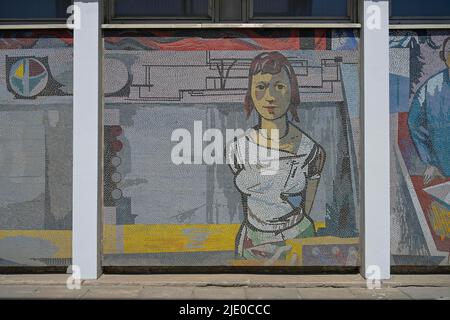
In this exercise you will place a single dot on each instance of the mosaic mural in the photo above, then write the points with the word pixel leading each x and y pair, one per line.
pixel 35 148
pixel 420 147
pixel 161 212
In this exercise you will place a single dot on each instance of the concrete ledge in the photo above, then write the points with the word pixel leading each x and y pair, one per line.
pixel 230 280
pixel 33 279
pixel 32 26
pixel 419 26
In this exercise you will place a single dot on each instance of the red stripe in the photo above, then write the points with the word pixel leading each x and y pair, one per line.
pixel 250 41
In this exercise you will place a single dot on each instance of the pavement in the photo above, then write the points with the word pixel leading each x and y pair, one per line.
pixel 225 286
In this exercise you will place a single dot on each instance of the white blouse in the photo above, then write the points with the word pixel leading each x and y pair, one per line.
pixel 269 208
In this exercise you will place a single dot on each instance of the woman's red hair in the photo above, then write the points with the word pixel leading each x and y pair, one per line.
pixel 273 63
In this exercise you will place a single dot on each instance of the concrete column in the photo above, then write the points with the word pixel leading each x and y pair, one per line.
pixel 375 222
pixel 87 140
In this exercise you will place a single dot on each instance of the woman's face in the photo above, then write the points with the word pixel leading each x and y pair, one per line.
pixel 271 94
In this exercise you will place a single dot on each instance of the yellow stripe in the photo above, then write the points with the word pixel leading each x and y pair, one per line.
pixel 61 239
pixel 110 239
pixel 179 238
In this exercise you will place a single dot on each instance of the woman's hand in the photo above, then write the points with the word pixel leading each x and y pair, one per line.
pixel 431 173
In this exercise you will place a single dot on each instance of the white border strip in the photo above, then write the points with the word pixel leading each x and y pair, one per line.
pixel 375 199
pixel 87 146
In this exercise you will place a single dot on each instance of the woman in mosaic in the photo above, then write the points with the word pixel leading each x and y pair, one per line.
pixel 276 203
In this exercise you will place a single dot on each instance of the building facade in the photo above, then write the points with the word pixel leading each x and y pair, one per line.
pixel 116 146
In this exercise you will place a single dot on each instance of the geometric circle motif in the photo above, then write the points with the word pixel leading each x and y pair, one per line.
pixel 115 161
pixel 28 77
pixel 116 194
pixel 116 177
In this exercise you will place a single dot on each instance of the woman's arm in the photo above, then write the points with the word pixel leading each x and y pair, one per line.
pixel 313 178
pixel 310 194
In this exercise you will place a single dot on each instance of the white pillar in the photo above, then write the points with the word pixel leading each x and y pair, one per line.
pixel 375 222
pixel 87 124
